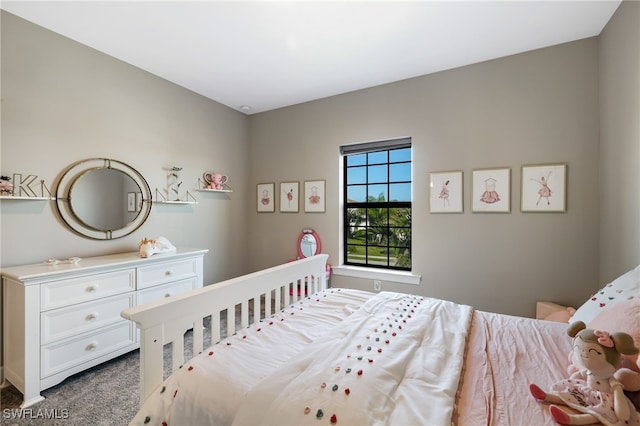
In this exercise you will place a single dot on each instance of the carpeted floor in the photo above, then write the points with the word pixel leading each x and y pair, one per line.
pixel 107 394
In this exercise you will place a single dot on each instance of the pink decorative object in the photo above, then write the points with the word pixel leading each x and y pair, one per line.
pixel 6 187
pixel 215 180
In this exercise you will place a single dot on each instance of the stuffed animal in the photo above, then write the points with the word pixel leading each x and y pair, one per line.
pixel 215 180
pixel 149 247
pixel 593 390
pixel 625 317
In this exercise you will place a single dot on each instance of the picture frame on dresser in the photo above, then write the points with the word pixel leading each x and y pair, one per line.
pixel 61 318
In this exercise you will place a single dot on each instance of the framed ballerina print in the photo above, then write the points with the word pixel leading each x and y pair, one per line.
pixel 491 190
pixel 266 197
pixel 544 188
pixel 289 197
pixel 445 192
pixel 314 198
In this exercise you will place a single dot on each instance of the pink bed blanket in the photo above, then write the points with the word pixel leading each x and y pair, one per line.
pixel 504 355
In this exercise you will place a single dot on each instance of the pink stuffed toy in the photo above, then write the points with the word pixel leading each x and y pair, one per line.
pixel 625 317
pixel 215 180
pixel 593 390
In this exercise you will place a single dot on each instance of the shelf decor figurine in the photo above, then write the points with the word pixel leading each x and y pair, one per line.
pixel 23 188
pixel 172 190
pixel 6 187
pixel 216 181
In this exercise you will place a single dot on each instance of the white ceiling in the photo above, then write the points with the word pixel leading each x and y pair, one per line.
pixel 267 55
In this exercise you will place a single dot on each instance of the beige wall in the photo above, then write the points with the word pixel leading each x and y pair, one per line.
pixel 620 142
pixel 536 107
pixel 63 102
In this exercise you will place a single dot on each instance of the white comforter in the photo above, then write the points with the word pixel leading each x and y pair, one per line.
pixel 391 358
pixel 396 361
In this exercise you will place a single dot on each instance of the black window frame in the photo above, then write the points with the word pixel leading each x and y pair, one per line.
pixel 386 236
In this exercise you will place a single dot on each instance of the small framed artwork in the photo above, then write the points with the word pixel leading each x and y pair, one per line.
pixel 131 202
pixel 491 190
pixel 314 197
pixel 289 197
pixel 266 197
pixel 445 192
pixel 138 201
pixel 544 188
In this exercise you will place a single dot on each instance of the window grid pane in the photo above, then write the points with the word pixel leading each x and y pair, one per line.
pixel 378 214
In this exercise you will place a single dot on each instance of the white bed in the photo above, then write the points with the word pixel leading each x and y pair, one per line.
pixel 341 356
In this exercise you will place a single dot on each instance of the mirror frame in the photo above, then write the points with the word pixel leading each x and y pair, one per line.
pixel 301 237
pixel 80 168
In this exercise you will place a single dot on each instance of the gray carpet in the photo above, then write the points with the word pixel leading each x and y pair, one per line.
pixel 104 395
pixel 107 394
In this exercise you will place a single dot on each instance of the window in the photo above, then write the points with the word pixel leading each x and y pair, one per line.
pixel 377 204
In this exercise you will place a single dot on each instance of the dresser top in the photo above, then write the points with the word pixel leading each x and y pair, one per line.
pixel 26 273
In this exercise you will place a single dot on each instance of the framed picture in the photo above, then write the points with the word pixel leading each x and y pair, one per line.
pixel 544 188
pixel 266 197
pixel 138 201
pixel 131 202
pixel 445 192
pixel 289 197
pixel 314 197
pixel 491 190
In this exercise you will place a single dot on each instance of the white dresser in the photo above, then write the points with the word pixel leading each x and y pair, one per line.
pixel 61 319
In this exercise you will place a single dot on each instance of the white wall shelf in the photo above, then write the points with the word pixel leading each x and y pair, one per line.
pixel 214 190
pixel 173 202
pixel 13 197
pixel 162 199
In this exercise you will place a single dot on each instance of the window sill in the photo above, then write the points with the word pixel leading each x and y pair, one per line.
pixel 378 274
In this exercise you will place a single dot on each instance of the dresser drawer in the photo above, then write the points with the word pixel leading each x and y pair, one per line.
pixel 70 321
pixel 61 293
pixel 149 276
pixel 167 290
pixel 57 357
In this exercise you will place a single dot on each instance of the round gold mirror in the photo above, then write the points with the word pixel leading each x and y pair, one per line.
pixel 103 199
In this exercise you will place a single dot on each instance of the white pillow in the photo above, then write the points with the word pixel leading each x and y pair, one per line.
pixel 623 288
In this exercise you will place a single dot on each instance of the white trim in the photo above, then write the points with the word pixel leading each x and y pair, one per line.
pixel 379 274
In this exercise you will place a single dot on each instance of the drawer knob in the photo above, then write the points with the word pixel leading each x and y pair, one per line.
pixel 92 316
pixel 168 272
pixel 92 288
pixel 167 294
pixel 91 346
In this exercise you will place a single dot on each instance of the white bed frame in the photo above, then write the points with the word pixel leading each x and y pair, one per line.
pixel 167 320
